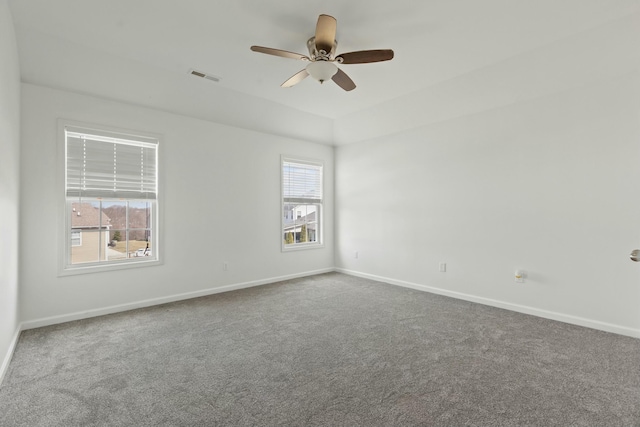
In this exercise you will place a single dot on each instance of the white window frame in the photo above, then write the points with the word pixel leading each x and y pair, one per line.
pixel 319 243
pixel 65 267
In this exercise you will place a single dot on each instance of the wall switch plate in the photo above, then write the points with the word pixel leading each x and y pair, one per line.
pixel 442 267
pixel 225 266
pixel 355 255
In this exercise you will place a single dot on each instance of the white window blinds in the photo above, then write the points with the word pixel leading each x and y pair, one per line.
pixel 99 164
pixel 301 182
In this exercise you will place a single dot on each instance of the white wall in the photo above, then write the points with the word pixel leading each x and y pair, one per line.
pixel 9 185
pixel 547 183
pixel 602 52
pixel 213 178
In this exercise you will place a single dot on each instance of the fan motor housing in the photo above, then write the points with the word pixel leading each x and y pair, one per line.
pixel 321 55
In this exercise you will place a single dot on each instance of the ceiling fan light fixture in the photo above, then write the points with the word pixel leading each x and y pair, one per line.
pixel 322 70
pixel 323 59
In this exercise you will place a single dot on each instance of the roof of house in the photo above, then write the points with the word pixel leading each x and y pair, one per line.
pixel 291 224
pixel 85 215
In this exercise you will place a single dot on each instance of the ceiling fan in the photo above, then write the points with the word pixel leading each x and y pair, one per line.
pixel 322 58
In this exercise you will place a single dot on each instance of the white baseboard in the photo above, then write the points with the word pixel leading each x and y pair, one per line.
pixel 46 321
pixel 7 357
pixel 589 323
pixel 566 318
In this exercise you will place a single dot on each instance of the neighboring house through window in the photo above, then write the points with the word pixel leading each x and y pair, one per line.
pixel 301 203
pixel 85 217
pixel 111 191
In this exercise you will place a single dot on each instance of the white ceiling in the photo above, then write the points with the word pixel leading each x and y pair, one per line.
pixel 434 41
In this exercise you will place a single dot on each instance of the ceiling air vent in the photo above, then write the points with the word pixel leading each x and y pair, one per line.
pixel 204 75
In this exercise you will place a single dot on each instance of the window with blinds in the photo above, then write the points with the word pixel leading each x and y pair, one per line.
pixel 111 191
pixel 110 166
pixel 301 204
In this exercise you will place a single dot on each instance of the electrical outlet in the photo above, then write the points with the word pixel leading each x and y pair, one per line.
pixel 355 255
pixel 442 267
pixel 225 266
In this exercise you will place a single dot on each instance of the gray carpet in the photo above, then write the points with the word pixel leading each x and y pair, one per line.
pixel 329 350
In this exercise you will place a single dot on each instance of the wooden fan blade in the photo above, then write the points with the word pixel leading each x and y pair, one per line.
pixel 343 80
pixel 279 52
pixel 296 78
pixel 365 56
pixel 325 33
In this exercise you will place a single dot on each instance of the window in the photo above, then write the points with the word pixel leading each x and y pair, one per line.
pixel 301 204
pixel 76 238
pixel 111 190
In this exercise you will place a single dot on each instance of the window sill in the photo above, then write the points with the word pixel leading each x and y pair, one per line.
pixel 98 268
pixel 302 247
